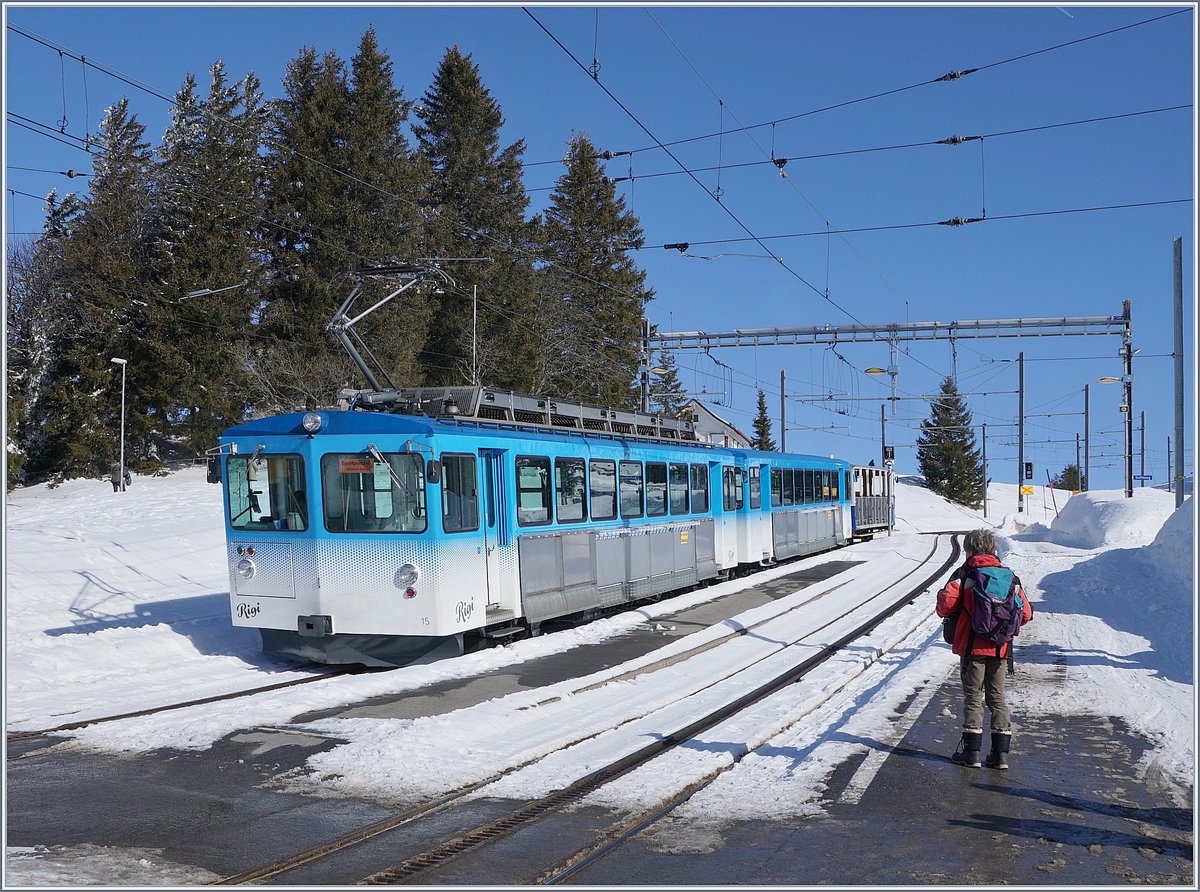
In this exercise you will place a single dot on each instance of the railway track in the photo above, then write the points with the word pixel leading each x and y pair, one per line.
pixel 18 736
pixel 718 699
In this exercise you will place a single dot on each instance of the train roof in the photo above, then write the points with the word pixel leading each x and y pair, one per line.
pixel 341 422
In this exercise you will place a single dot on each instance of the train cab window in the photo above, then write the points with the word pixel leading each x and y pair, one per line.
pixel 848 489
pixel 789 478
pixel 679 489
pixel 374 493
pixel 570 485
pixel 699 489
pixel 656 489
pixel 776 487
pixel 533 490
pixel 460 493
pixel 755 487
pixel 631 489
pixel 603 479
pixel 267 493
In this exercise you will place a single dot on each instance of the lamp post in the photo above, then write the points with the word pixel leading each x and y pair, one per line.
pixel 122 363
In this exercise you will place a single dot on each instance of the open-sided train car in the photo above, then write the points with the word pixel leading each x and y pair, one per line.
pixel 394 527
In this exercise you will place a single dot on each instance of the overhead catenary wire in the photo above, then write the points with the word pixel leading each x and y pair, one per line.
pixel 945 78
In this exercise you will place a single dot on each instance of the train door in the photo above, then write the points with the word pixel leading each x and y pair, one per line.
pixel 498 546
pixel 731 518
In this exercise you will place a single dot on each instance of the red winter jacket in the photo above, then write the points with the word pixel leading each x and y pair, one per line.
pixel 948 601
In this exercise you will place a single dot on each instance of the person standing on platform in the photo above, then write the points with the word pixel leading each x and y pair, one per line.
pixel 985 663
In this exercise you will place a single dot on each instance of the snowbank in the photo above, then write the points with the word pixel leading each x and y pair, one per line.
pixel 1105 519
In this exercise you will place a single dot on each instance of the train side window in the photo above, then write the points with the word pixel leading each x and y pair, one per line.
pixel 848 488
pixel 533 490
pixel 824 486
pixel 604 489
pixel 460 493
pixel 267 493
pixel 699 489
pixel 834 480
pixel 656 489
pixel 679 489
pixel 365 495
pixel 789 478
pixel 734 480
pixel 570 484
pixel 755 487
pixel 631 489
pixel 809 492
pixel 776 487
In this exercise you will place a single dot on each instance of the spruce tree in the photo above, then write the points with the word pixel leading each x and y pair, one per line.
pixel 1068 478
pixel 101 296
pixel 947 453
pixel 595 293
pixel 384 216
pixel 208 221
pixel 300 364
pixel 666 390
pixel 762 426
pixel 477 214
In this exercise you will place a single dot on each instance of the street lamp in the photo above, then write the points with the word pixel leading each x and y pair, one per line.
pixel 122 363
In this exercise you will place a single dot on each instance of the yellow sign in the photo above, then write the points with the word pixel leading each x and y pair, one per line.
pixel 683 536
pixel 1026 490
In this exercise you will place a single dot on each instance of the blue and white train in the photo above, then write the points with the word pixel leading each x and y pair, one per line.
pixel 407 522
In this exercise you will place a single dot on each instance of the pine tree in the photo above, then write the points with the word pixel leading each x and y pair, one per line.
pixel 595 293
pixel 477 214
pixel 100 312
pixel 1068 478
pixel 762 426
pixel 666 390
pixel 208 221
pixel 384 217
pixel 947 453
pixel 301 365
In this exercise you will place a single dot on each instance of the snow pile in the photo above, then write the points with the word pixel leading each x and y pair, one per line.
pixel 1107 518
pixel 1173 550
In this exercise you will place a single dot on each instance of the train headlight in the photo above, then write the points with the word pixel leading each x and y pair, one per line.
pixel 311 422
pixel 245 568
pixel 407 576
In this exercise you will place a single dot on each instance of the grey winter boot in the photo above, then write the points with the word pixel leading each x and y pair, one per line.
pixel 967 754
pixel 998 757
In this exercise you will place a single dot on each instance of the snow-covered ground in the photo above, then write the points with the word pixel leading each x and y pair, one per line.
pixel 118 602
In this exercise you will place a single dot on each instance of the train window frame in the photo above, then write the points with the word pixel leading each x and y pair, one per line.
pixel 638 482
pixel 776 487
pixel 594 465
pixel 698 479
pixel 755 479
pixel 452 475
pixel 809 489
pixel 789 487
pixel 403 503
pixel 544 490
pixel 675 489
pixel 561 462
pixel 656 489
pixel 293 499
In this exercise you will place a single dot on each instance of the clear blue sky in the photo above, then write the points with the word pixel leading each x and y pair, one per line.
pixel 692 72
